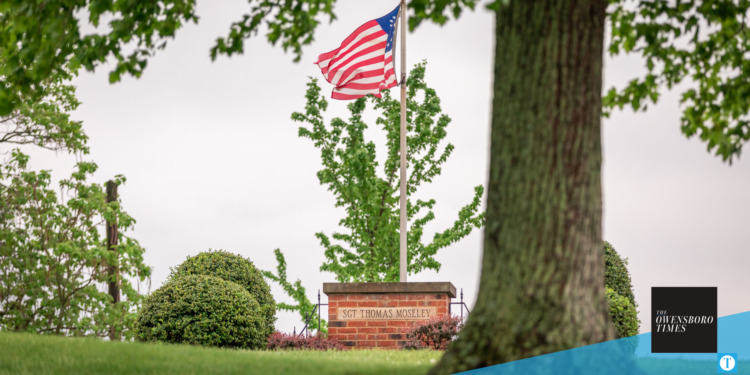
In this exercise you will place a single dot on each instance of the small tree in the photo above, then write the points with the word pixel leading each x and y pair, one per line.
pixel 369 249
pixel 53 256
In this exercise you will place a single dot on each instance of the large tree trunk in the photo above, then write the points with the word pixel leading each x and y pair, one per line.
pixel 542 283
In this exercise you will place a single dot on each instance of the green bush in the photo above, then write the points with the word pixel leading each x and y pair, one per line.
pixel 236 269
pixel 623 314
pixel 202 310
pixel 616 275
pixel 620 293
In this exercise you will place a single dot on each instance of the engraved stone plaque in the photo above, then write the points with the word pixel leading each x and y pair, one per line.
pixel 386 313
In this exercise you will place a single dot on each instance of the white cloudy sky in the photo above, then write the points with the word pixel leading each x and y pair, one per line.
pixel 213 160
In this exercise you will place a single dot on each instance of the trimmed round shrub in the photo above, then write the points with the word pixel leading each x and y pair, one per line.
pixel 623 314
pixel 616 275
pixel 236 269
pixel 202 310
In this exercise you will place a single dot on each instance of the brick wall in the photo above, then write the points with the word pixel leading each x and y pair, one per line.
pixel 380 333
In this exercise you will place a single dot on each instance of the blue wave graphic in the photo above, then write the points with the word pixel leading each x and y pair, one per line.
pixel 632 356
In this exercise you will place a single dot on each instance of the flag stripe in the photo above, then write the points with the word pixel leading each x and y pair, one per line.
pixel 374 39
pixel 373 63
pixel 368 57
pixel 373 72
pixel 343 54
pixel 362 32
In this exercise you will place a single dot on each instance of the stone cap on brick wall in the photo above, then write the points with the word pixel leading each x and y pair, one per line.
pixel 387 288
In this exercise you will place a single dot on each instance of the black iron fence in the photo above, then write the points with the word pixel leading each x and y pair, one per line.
pixel 463 306
pixel 311 316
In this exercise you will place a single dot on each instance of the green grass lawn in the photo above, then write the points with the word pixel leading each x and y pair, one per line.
pixel 22 354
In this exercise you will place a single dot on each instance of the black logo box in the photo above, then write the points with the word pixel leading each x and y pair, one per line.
pixel 684 302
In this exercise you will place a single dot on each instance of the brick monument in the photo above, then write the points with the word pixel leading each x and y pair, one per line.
pixel 376 315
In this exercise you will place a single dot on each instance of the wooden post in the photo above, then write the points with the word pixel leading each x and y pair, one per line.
pixel 112 241
pixel 402 259
pixel 319 338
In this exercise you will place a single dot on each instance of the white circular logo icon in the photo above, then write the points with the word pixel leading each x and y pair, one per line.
pixel 727 363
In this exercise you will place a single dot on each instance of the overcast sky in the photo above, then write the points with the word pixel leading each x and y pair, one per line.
pixel 213 160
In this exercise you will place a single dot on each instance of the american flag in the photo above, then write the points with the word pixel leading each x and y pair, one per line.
pixel 363 64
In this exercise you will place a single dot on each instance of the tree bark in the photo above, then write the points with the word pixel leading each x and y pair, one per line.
pixel 542 283
pixel 112 241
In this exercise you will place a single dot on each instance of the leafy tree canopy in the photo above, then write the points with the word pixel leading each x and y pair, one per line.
pixel 45 121
pixel 705 41
pixel 40 39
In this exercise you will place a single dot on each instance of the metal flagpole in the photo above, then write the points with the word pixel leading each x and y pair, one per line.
pixel 402 261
